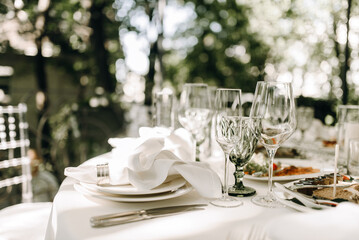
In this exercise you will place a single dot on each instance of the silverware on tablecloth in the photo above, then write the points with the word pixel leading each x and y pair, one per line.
pixel 308 202
pixel 143 214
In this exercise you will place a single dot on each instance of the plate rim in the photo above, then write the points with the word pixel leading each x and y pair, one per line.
pixel 164 196
pixel 173 184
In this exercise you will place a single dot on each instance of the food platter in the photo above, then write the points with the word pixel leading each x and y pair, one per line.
pixel 292 162
pixel 303 195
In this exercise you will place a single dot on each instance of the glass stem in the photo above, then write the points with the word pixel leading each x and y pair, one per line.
pixel 198 151
pixel 194 153
pixel 302 136
pixel 225 179
pixel 238 177
pixel 271 153
pixel 197 143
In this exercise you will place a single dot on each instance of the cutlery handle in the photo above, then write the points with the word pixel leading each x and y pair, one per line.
pixel 306 201
pixel 106 222
pixel 117 215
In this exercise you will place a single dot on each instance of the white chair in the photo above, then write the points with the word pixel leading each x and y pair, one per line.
pixel 26 220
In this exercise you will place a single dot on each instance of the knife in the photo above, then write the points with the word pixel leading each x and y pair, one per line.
pixel 295 187
pixel 143 214
pixel 308 202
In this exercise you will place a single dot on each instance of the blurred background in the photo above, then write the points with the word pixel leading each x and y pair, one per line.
pixel 87 69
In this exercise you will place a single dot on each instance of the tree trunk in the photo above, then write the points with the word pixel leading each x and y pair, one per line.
pixel 156 51
pixel 150 75
pixel 345 67
pixel 43 143
pixel 100 53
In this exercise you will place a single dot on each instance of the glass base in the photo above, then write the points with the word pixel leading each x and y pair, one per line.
pixel 268 201
pixel 241 192
pixel 227 202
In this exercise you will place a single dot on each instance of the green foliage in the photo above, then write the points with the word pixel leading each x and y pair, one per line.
pixel 84 42
pixel 81 132
pixel 226 53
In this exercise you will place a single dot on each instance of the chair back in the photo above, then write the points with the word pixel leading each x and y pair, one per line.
pixel 15 165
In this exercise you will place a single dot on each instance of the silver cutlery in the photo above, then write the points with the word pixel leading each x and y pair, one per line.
pixel 295 187
pixel 308 202
pixel 143 214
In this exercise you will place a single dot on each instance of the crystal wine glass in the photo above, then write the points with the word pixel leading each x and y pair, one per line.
pixel 242 154
pixel 274 104
pixel 305 117
pixel 195 112
pixel 227 121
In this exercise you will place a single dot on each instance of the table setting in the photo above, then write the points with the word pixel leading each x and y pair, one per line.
pixel 160 186
pixel 147 167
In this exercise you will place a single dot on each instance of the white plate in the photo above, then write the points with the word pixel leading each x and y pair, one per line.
pixel 281 198
pixel 294 162
pixel 168 186
pixel 128 198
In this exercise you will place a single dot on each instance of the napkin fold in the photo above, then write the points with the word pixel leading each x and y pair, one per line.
pixel 146 162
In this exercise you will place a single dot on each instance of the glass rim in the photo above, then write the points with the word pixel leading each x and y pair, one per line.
pixel 273 82
pixel 163 93
pixel 231 89
pixel 348 107
pixel 196 84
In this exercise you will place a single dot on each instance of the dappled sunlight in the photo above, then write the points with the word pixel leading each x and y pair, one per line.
pixel 301 42
pixel 66 52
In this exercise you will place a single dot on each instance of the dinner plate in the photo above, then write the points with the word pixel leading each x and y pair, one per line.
pixel 129 198
pixel 294 162
pixel 170 185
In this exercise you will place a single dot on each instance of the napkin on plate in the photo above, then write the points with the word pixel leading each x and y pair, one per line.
pixel 147 161
pixel 338 223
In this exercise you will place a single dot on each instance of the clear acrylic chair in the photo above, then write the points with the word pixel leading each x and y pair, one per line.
pixel 19 221
pixel 15 165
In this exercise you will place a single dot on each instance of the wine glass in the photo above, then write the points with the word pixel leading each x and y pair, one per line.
pixel 195 112
pixel 348 128
pixel 305 117
pixel 242 154
pixel 163 112
pixel 227 132
pixel 274 104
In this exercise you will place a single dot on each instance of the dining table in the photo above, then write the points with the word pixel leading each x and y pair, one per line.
pixel 72 210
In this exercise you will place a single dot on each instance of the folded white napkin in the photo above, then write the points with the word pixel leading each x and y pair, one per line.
pixel 338 223
pixel 147 161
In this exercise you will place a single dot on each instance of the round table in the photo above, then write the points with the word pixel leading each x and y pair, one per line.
pixel 71 213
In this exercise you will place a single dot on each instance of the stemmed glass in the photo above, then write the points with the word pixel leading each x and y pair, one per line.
pixel 305 117
pixel 274 104
pixel 227 132
pixel 163 113
pixel 195 112
pixel 242 154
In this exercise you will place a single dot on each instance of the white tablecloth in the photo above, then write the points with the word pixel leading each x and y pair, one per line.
pixel 71 213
